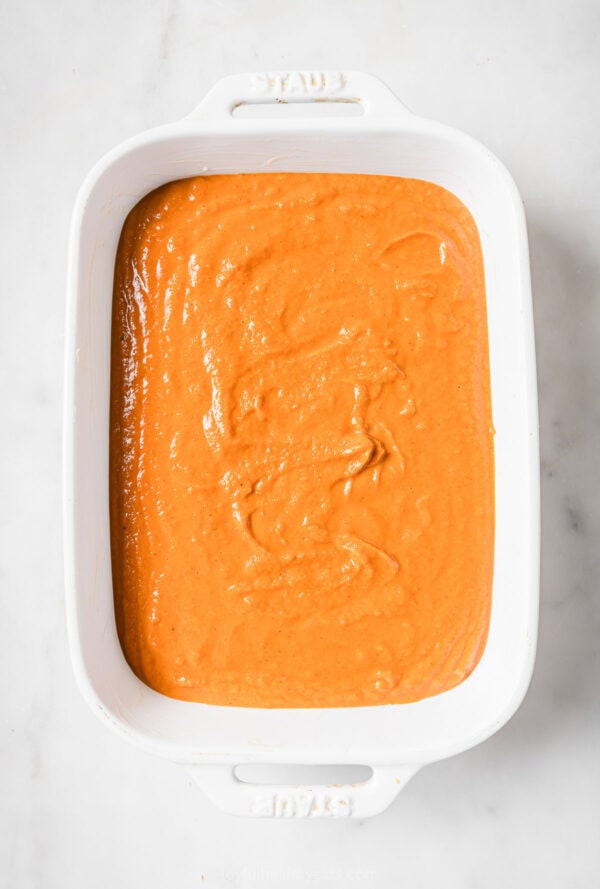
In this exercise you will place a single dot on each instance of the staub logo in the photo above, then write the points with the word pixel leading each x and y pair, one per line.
pixel 302 804
pixel 298 83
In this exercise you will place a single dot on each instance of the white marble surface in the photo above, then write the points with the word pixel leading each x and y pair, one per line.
pixel 80 808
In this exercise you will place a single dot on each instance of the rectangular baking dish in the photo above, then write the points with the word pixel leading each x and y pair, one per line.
pixel 394 740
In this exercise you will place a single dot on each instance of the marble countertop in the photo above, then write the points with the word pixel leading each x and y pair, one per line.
pixel 80 808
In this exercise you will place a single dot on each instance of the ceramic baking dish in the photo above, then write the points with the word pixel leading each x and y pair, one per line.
pixel 394 740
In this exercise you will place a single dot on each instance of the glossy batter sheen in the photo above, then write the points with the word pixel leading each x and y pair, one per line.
pixel 301 443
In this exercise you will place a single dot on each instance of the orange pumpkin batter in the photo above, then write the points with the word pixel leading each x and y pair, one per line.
pixel 301 443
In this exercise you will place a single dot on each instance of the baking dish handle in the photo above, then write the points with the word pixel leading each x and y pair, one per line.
pixel 271 87
pixel 228 792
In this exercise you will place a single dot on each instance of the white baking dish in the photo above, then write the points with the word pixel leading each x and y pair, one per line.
pixel 395 740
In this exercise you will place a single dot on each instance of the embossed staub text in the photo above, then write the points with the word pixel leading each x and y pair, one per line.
pixel 302 803
pixel 298 83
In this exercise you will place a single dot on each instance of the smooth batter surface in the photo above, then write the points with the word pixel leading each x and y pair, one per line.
pixel 301 452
